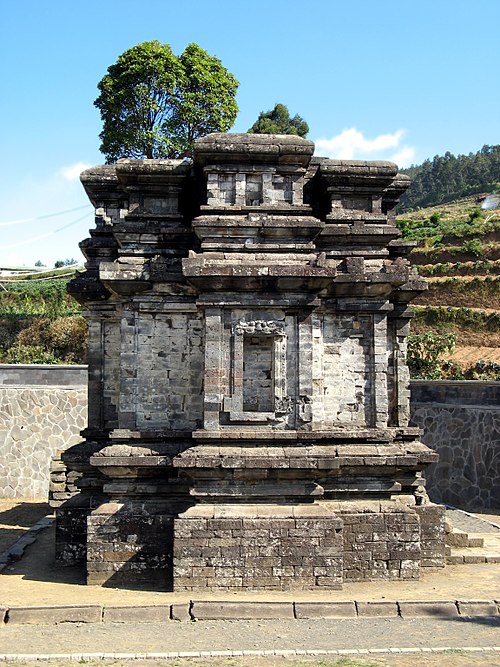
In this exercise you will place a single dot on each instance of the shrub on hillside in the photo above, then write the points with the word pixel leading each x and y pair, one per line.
pixel 30 354
pixel 426 352
pixel 9 328
pixel 67 336
pixel 64 339
pixel 473 247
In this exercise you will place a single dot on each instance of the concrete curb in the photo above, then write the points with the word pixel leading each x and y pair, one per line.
pixel 16 551
pixel 284 653
pixel 209 610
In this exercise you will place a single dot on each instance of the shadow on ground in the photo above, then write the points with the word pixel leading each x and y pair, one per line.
pixel 16 517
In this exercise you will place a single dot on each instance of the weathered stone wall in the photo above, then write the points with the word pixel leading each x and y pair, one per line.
pixel 167 370
pixel 42 410
pixel 257 547
pixel 382 540
pixel 342 390
pixel 461 421
pixel 22 375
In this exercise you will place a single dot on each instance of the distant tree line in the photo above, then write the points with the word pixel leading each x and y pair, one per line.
pixel 449 177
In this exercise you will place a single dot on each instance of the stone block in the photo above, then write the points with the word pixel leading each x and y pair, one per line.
pixel 454 559
pixel 209 611
pixel 137 614
pixel 325 609
pixel 180 611
pixel 54 614
pixel 385 609
pixel 477 608
pixel 457 539
pixel 415 609
pixel 474 558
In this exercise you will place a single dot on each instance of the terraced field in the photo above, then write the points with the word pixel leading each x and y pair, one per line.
pixel 458 251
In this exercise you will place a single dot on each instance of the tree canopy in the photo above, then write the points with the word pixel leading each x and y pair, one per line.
pixel 278 121
pixel 154 104
pixel 449 177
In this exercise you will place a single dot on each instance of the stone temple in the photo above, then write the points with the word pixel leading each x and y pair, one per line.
pixel 248 390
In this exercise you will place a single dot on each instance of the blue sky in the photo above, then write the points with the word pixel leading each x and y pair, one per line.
pixel 375 79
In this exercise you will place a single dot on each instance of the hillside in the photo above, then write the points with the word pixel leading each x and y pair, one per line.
pixel 39 321
pixel 458 251
pixel 448 177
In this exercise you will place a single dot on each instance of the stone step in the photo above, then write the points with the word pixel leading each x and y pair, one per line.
pixel 461 539
pixel 488 552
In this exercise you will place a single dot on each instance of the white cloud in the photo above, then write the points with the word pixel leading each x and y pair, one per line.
pixel 404 157
pixel 352 144
pixel 72 173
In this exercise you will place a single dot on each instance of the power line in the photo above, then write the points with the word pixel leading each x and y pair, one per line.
pixel 44 236
pixel 41 217
pixel 8 281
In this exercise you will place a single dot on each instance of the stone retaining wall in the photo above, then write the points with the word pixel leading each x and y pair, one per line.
pixel 20 375
pixel 461 421
pixel 43 409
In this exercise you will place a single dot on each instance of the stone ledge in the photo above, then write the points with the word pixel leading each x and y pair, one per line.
pixel 385 609
pixel 16 551
pixel 54 614
pixel 477 608
pixel 415 609
pixel 210 611
pixel 145 614
pixel 325 609
pixel 205 610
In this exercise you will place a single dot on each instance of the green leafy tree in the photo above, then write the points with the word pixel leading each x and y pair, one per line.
pixel 154 104
pixel 65 262
pixel 278 121
pixel 426 353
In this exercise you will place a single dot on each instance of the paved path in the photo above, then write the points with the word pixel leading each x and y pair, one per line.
pixel 474 523
pixel 243 636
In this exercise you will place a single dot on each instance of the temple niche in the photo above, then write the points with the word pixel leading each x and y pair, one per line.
pixel 248 389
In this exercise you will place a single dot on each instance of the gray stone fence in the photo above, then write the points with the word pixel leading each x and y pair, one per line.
pixel 42 411
pixel 461 421
pixel 44 408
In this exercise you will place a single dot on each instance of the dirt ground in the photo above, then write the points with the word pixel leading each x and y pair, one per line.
pixel 17 515
pixel 469 355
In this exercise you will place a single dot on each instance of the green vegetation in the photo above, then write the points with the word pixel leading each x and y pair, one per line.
pixel 30 296
pixel 468 291
pixel 444 318
pixel 154 104
pixel 426 352
pixel 434 327
pixel 458 248
pixel 449 177
pixel 278 121
pixel 481 267
pixel 443 229
pixel 40 322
